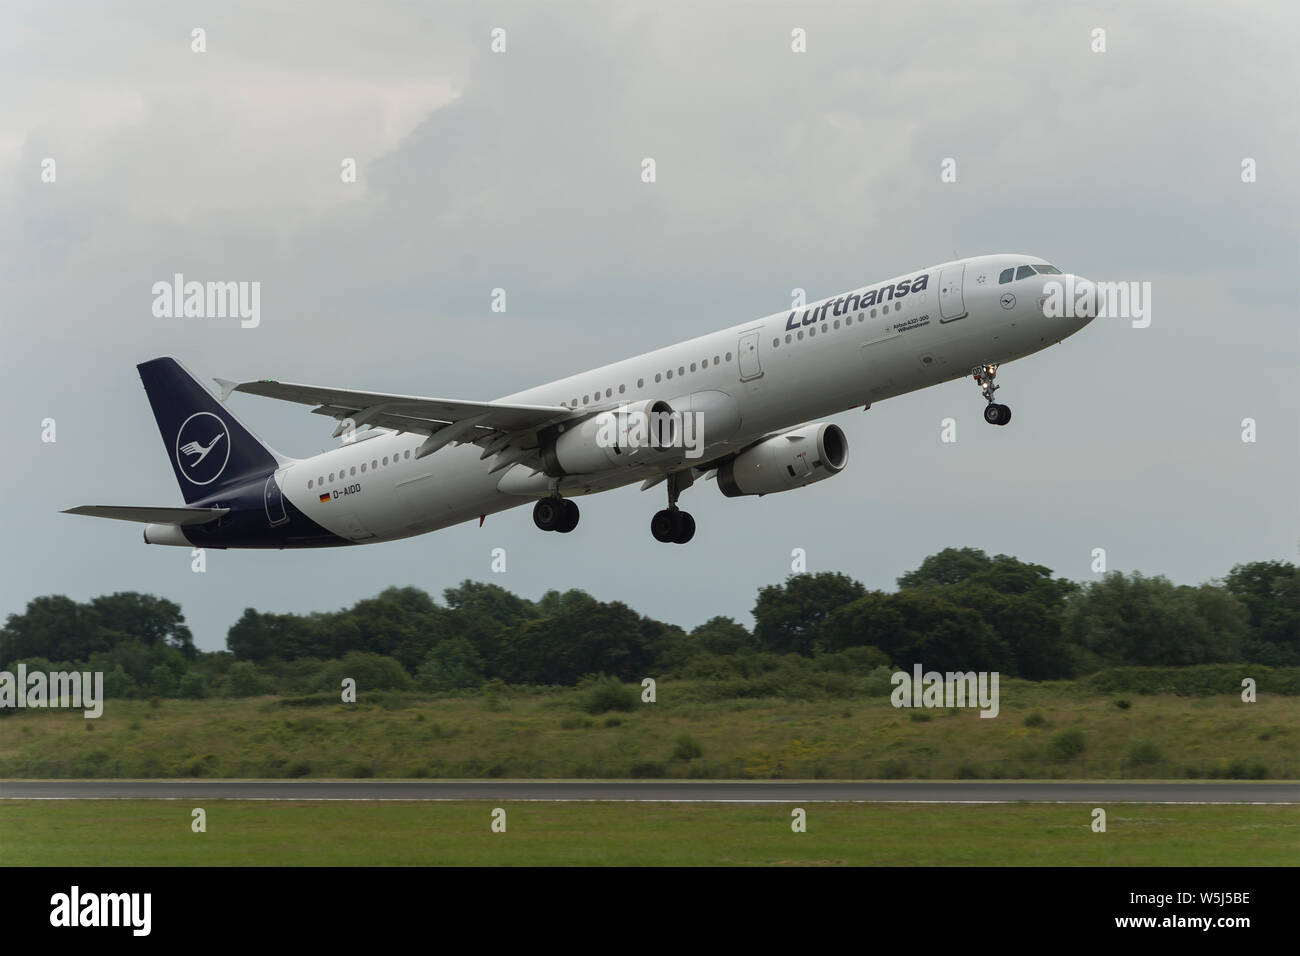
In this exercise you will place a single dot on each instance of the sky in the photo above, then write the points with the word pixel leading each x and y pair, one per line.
pixel 776 170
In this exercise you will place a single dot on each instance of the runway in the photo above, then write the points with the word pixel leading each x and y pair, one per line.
pixel 503 791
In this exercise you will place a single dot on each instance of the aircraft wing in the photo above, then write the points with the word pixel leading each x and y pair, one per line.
pixel 176 516
pixel 503 428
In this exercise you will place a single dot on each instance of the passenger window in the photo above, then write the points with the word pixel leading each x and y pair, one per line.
pixel 1005 276
pixel 1024 272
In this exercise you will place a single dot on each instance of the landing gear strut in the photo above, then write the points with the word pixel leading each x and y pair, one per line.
pixel 556 514
pixel 672 525
pixel 994 413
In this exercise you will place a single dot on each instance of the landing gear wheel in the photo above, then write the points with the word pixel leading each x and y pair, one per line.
pixel 996 414
pixel 672 526
pixel 548 513
pixel 569 519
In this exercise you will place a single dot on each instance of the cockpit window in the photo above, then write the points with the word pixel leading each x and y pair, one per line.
pixel 1048 270
pixel 1024 272
pixel 1006 276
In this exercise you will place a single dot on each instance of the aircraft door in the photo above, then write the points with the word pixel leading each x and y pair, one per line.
pixel 747 355
pixel 952 303
pixel 275 513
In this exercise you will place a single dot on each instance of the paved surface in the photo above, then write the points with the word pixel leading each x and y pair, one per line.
pixel 501 791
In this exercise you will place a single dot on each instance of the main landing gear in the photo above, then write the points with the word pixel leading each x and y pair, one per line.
pixel 672 525
pixel 556 514
pixel 994 413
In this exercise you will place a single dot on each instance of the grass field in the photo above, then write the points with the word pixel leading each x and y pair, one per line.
pixel 544 732
pixel 157 832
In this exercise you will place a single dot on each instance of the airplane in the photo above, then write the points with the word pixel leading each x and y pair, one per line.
pixel 738 407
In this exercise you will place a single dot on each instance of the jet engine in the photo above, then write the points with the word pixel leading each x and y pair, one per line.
pixel 789 460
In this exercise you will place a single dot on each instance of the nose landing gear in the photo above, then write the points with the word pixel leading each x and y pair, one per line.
pixel 994 413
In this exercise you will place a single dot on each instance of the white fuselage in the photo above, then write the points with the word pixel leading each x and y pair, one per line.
pixel 778 372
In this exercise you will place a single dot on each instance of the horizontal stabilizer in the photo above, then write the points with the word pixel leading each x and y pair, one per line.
pixel 176 516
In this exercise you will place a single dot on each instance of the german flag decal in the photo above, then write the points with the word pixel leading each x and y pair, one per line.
pixel 324 498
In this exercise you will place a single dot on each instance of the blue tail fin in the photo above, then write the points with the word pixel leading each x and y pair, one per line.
pixel 210 449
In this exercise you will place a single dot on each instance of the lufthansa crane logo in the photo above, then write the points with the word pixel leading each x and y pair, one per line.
pixel 202 448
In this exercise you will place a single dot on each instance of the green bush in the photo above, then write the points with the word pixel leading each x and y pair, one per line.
pixel 1035 719
pixel 451 665
pixel 1199 680
pixel 608 693
pixel 687 748
pixel 1238 770
pixel 192 686
pixel 1144 754
pixel 243 680
pixel 647 768
pixel 1067 744
pixel 370 671
pixel 1123 703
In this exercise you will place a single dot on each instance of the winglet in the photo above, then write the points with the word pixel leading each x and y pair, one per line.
pixel 227 387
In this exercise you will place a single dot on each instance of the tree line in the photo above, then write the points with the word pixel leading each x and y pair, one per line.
pixel 960 610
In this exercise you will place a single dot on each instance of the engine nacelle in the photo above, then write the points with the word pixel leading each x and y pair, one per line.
pixel 612 439
pixel 789 460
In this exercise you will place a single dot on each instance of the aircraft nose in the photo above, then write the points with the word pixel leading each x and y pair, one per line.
pixel 1084 297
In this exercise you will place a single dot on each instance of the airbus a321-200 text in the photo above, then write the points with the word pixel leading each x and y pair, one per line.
pixel 738 407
